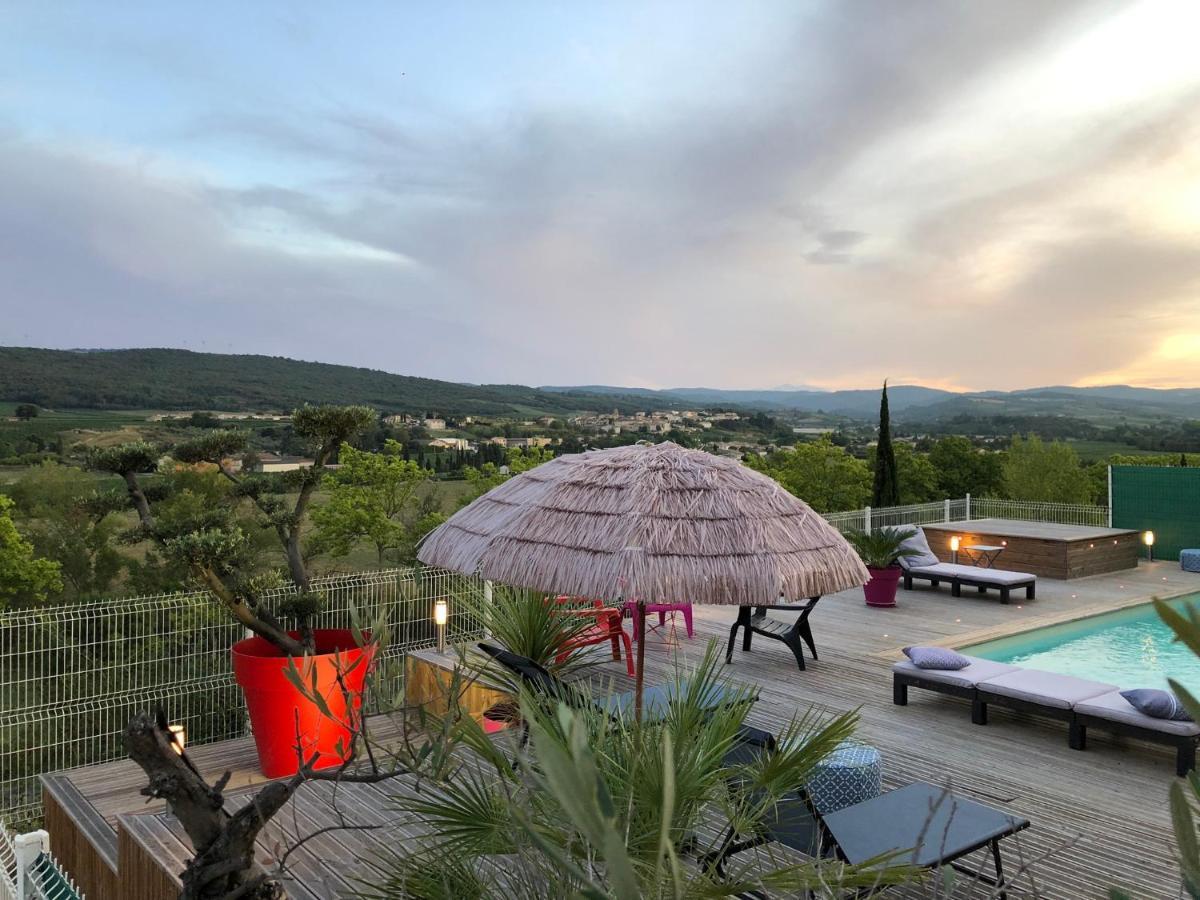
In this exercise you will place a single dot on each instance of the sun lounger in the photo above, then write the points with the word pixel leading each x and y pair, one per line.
pixel 1114 714
pixel 1078 702
pixel 972 576
pixel 956 683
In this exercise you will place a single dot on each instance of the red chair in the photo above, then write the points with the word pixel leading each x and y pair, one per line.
pixel 607 627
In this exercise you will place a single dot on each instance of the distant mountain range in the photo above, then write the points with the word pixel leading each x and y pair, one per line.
pixel 183 379
pixel 915 403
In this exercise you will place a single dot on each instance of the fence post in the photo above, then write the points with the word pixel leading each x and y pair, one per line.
pixel 968 507
pixel 487 607
pixel 866 518
pixel 27 848
pixel 1110 525
pixel 946 509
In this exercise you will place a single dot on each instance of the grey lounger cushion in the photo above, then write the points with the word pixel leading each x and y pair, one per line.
pixel 1114 707
pixel 977 671
pixel 972 573
pixel 1045 688
pixel 924 556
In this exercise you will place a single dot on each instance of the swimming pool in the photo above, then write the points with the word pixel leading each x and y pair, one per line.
pixel 1130 648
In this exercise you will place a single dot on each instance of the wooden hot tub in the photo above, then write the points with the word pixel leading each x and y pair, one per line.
pixel 1043 548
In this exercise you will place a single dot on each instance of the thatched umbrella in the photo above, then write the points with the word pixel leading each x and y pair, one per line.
pixel 652 523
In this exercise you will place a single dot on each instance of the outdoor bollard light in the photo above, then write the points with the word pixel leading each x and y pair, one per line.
pixel 178 737
pixel 441 615
pixel 1148 540
pixel 954 542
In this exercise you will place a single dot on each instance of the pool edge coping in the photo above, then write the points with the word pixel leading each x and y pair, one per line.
pixel 1034 623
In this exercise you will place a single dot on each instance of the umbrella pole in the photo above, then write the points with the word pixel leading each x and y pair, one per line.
pixel 640 637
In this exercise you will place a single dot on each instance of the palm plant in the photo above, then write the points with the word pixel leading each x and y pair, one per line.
pixel 530 624
pixel 882 547
pixel 603 807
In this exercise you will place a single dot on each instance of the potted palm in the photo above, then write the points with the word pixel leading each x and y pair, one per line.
pixel 213 537
pixel 880 550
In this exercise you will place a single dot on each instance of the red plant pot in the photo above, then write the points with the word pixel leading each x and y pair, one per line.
pixel 279 712
pixel 881 589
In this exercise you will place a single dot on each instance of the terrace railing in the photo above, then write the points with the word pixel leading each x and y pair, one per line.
pixel 29 871
pixel 72 676
pixel 967 508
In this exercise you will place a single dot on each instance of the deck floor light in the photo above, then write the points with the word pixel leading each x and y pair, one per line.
pixel 441 615
pixel 1148 540
pixel 954 542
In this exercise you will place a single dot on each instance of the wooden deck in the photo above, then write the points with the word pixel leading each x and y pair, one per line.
pixel 1099 817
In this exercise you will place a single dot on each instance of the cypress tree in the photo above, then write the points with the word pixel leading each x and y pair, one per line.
pixel 887 482
pixel 1183 460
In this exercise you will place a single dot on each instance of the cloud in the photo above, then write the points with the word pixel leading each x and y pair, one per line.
pixel 797 228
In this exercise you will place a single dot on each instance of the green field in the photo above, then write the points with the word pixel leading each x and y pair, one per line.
pixel 1096 451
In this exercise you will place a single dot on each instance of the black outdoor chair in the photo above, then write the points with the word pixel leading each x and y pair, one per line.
pixel 917 825
pixel 794 635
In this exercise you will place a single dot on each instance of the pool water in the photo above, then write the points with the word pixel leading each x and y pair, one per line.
pixel 1131 648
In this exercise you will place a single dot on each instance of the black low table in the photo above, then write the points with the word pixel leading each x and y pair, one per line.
pixel 946 825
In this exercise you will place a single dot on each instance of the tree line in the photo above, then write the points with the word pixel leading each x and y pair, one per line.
pixel 187 515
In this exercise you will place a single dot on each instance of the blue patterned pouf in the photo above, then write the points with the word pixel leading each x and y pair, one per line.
pixel 853 772
pixel 1189 560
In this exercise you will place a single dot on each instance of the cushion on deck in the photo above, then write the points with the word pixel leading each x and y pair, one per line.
pixel 1189 560
pixel 977 671
pixel 1115 708
pixel 1157 704
pixel 973 573
pixel 1045 688
pixel 923 556
pixel 936 658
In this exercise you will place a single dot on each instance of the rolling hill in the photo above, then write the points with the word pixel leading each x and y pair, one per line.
pixel 182 379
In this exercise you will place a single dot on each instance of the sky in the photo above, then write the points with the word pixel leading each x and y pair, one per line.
pixel 987 195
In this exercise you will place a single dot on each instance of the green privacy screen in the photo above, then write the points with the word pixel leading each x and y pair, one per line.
pixel 1161 499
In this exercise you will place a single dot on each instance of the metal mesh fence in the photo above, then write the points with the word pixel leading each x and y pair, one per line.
pixel 72 676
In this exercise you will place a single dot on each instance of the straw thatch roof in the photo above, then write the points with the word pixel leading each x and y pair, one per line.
pixel 656 523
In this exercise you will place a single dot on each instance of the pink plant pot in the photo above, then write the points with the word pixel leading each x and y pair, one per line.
pixel 881 589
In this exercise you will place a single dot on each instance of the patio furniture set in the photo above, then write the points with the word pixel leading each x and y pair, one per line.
pixel 840 811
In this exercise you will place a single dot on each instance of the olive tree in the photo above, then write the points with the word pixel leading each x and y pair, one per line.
pixel 213 540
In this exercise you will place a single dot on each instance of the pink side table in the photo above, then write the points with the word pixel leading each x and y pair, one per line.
pixel 662 609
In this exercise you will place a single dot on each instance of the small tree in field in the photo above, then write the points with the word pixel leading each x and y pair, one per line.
pixel 1035 470
pixel 886 490
pixel 26 411
pixel 375 497
pixel 212 540
pixel 24 578
pixel 821 474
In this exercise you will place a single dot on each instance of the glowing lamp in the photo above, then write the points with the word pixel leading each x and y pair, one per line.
pixel 1148 540
pixel 178 737
pixel 441 615
pixel 954 542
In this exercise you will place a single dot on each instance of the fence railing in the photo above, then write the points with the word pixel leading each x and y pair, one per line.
pixel 968 508
pixel 29 871
pixel 72 676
